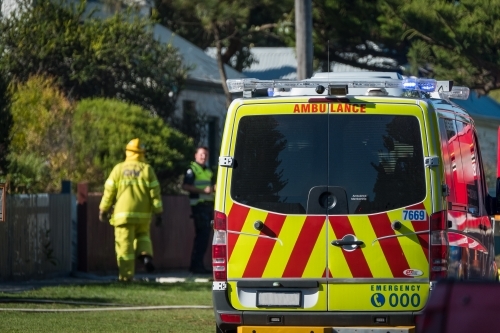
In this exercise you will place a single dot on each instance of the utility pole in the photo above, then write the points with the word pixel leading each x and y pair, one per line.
pixel 303 38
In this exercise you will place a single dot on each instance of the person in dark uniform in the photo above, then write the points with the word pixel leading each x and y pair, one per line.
pixel 198 181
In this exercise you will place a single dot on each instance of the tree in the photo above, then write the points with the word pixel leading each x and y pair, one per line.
pixel 116 57
pixel 265 18
pixel 348 32
pixel 232 27
pixel 40 153
pixel 456 40
pixel 444 39
pixel 102 128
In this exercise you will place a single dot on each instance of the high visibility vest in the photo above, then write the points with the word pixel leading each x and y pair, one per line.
pixel 202 179
pixel 135 191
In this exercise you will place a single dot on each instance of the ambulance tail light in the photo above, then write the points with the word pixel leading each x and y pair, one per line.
pixel 219 247
pixel 439 246
pixel 220 221
pixel 438 221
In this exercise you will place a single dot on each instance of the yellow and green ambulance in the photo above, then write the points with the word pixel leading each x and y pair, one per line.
pixel 342 199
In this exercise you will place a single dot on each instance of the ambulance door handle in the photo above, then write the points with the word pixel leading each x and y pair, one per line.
pixel 341 242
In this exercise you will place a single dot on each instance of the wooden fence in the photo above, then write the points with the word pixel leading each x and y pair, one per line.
pixel 36 237
pixel 172 242
pixel 55 234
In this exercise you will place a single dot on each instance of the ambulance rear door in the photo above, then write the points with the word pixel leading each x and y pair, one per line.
pixel 277 230
pixel 380 203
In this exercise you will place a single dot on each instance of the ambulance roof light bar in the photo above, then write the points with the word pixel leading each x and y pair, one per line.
pixel 242 85
pixel 456 93
pixel 442 89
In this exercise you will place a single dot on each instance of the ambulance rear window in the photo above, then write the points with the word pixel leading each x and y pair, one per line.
pixel 371 163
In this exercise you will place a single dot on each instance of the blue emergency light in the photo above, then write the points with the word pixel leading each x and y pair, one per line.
pixel 414 84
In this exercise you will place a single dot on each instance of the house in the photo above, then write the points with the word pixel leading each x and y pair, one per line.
pixel 203 93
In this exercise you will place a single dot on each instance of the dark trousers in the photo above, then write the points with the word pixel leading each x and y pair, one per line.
pixel 202 214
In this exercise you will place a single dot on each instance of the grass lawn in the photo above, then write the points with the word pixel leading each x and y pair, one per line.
pixel 102 296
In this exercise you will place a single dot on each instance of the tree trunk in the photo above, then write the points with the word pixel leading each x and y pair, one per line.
pixel 220 64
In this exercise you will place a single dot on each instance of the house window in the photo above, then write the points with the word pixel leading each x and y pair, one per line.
pixel 204 129
pixel 190 120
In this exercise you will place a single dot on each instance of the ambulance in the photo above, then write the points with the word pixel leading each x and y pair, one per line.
pixel 342 200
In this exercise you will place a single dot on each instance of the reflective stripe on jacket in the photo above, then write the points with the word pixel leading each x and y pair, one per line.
pixel 202 179
pixel 136 190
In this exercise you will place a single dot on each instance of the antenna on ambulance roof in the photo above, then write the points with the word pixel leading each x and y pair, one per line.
pixel 328 59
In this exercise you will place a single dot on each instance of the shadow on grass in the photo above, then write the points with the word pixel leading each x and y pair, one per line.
pixel 83 301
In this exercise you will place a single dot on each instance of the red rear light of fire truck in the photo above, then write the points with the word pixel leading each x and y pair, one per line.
pixel 219 247
pixel 439 246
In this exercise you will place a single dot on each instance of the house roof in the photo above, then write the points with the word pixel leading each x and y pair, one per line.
pixel 480 106
pixel 205 67
pixel 272 63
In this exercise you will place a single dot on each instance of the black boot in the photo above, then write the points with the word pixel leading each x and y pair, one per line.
pixel 147 260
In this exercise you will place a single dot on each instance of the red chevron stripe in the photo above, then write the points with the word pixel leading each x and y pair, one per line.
pixel 355 259
pixel 264 246
pixel 303 246
pixel 390 246
pixel 421 226
pixel 235 221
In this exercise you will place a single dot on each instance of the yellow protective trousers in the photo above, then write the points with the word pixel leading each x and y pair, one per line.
pixel 131 241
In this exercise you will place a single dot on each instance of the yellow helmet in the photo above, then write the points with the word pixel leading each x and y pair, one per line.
pixel 135 146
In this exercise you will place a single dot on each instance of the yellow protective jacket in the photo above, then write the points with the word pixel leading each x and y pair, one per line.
pixel 134 186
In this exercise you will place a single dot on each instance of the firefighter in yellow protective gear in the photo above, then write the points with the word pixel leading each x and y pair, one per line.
pixel 134 190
